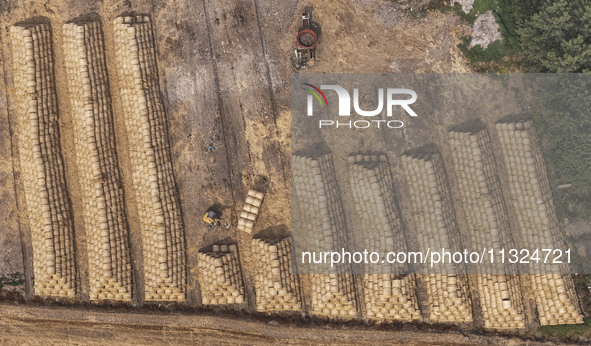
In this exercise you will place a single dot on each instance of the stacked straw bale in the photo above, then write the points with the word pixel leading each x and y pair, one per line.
pixel 389 293
pixel 531 198
pixel 220 276
pixel 317 195
pixel 277 289
pixel 487 223
pixel 433 222
pixel 152 171
pixel 41 163
pixel 250 211
pixel 109 266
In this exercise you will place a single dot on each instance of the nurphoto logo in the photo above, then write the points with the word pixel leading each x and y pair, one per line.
pixel 391 95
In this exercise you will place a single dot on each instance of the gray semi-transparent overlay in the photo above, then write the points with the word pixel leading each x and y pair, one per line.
pixel 432 173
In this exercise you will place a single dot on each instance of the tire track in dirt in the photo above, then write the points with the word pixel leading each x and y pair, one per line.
pixel 245 88
pixel 220 107
pixel 237 149
pixel 272 97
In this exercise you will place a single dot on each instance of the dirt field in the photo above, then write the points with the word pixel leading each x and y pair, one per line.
pixel 225 79
pixel 37 326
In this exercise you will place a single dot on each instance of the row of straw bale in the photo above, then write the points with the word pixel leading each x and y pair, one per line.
pixel 153 180
pixel 109 266
pixel 41 163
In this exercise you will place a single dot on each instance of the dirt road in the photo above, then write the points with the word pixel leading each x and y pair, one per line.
pixel 50 326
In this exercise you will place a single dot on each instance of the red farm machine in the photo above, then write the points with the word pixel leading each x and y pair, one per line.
pixel 306 40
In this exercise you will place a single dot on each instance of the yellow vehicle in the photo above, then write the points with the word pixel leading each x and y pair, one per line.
pixel 212 218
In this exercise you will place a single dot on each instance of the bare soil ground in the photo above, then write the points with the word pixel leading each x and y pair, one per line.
pixel 53 325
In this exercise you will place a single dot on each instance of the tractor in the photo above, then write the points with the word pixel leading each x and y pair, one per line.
pixel 306 40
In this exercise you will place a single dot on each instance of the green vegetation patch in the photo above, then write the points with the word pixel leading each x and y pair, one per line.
pixel 557 38
pixel 12 279
pixel 571 331
pixel 562 118
pixel 498 56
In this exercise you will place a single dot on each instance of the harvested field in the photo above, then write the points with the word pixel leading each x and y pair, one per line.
pixel 123 122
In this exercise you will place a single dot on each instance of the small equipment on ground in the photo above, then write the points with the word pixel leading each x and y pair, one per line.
pixel 212 218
